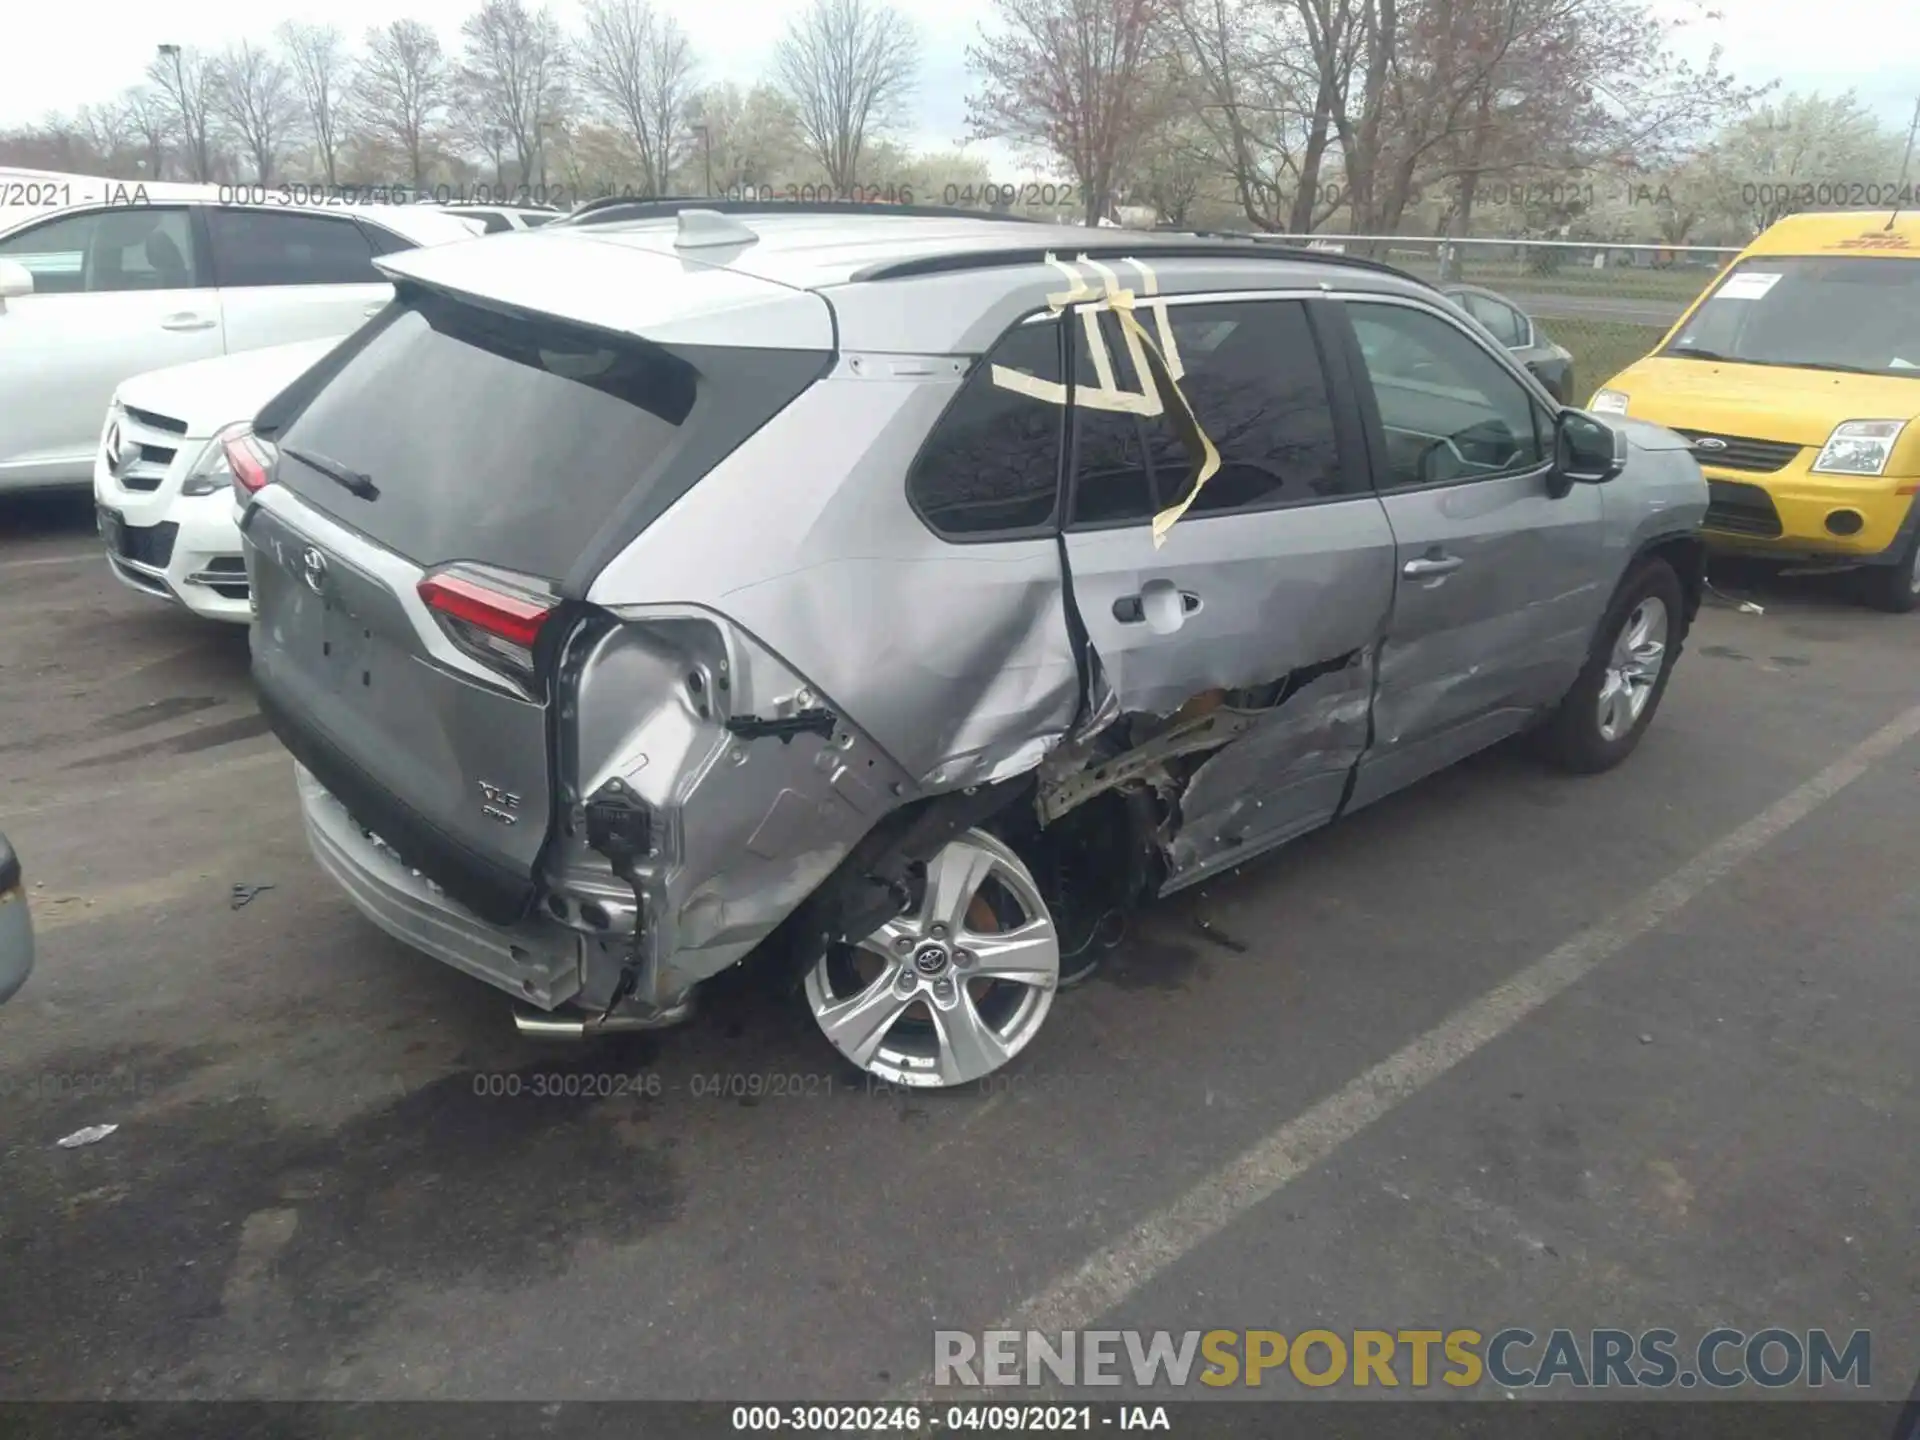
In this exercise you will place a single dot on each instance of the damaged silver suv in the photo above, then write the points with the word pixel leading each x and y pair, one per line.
pixel 908 593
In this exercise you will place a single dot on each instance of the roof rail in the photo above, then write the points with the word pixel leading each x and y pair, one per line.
pixel 615 207
pixel 1202 247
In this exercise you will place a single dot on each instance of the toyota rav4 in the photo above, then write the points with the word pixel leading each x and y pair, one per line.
pixel 907 594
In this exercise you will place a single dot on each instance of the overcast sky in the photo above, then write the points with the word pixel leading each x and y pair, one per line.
pixel 59 57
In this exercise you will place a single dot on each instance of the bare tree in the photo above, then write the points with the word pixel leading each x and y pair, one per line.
pixel 401 91
pixel 105 128
pixel 149 120
pixel 257 101
pixel 847 67
pixel 753 136
pixel 1252 92
pixel 513 73
pixel 474 125
pixel 56 143
pixel 638 68
pixel 317 56
pixel 1071 76
pixel 190 82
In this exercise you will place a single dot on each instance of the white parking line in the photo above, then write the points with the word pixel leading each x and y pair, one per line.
pixel 1110 1275
pixel 78 558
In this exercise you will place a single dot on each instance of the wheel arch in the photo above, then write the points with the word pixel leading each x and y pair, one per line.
pixel 1686 554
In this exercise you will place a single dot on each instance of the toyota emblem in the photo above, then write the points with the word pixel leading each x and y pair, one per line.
pixel 112 447
pixel 313 569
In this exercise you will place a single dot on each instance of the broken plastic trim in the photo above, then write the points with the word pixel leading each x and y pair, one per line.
pixel 1157 364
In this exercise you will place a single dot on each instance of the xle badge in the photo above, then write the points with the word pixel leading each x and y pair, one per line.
pixel 499 804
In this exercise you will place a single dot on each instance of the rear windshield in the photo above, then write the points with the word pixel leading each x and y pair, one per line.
pixel 1847 313
pixel 524 443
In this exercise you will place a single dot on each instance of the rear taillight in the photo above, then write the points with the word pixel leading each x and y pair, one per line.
pixel 251 460
pixel 494 617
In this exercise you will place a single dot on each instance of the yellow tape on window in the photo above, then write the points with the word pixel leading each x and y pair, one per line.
pixel 1157 363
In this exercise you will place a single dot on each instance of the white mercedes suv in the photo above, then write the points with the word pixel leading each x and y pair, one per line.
pixel 160 476
pixel 91 294
pixel 162 483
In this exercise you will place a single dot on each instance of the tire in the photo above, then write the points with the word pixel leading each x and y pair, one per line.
pixel 1894 588
pixel 1580 735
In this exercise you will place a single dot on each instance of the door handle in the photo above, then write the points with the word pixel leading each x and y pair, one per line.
pixel 1429 567
pixel 1155 604
pixel 188 321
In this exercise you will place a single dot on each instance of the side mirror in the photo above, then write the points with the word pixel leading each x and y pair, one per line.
pixel 1586 450
pixel 15 279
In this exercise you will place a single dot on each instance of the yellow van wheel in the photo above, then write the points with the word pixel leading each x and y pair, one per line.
pixel 1894 588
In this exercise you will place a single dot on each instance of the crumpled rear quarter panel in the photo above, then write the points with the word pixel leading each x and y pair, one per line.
pixel 744 829
pixel 954 658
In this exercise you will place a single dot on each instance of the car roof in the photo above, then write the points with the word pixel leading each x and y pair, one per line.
pixel 417 224
pixel 923 281
pixel 812 249
pixel 1842 232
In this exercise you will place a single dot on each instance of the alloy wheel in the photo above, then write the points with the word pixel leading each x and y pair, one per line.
pixel 1633 669
pixel 948 993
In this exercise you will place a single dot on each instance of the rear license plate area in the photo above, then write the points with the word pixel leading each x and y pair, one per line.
pixel 346 646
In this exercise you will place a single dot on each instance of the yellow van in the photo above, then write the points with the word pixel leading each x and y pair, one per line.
pixel 1796 375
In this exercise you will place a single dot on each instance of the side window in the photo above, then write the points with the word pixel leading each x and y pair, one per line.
pixel 266 247
pixel 1254 377
pixel 534 222
pixel 1111 484
pixel 384 242
pixel 140 248
pixel 1503 320
pixel 992 463
pixel 1449 409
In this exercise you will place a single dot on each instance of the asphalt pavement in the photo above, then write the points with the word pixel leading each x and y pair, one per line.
pixel 1511 1049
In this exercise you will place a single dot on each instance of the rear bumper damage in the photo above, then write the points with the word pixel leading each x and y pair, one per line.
pixel 536 961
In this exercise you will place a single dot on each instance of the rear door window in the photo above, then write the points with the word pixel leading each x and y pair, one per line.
pixel 266 247
pixel 1254 377
pixel 991 467
pixel 138 248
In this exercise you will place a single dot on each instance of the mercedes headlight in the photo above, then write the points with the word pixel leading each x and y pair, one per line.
pixel 211 473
